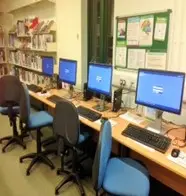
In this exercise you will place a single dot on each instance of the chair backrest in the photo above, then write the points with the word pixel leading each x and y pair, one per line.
pixel 66 122
pixel 10 91
pixel 25 104
pixel 102 156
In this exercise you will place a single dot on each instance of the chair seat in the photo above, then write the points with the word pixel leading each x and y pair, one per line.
pixel 125 177
pixel 83 136
pixel 4 110
pixel 39 119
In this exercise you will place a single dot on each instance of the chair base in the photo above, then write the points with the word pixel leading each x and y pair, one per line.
pixel 70 177
pixel 12 140
pixel 41 158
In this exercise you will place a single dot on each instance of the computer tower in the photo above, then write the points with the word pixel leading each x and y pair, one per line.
pixel 87 95
pixel 117 100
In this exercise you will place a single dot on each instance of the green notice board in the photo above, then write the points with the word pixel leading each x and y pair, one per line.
pixel 142 41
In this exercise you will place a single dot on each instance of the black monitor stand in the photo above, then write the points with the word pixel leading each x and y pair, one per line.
pixel 101 107
pixel 157 124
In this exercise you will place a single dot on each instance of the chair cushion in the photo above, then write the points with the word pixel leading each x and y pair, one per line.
pixel 83 136
pixel 4 110
pixel 39 119
pixel 126 177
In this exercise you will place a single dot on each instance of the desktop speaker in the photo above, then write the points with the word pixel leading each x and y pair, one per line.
pixel 87 95
pixel 117 100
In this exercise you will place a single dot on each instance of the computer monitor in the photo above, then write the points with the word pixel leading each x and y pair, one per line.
pixel 100 81
pixel 48 66
pixel 162 90
pixel 67 73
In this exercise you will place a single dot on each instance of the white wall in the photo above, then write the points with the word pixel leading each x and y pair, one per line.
pixel 72 34
pixel 177 38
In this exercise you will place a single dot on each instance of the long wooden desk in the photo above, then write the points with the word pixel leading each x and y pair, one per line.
pixel 158 164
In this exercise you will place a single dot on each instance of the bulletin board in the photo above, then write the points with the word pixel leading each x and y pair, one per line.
pixel 142 41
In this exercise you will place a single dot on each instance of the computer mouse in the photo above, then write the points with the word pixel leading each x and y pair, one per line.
pixel 43 91
pixel 175 152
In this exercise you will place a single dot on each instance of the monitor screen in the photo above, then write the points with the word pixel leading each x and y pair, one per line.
pixel 48 66
pixel 67 71
pixel 161 90
pixel 100 78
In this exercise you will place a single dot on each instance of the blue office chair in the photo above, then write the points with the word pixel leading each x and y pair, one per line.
pixel 10 97
pixel 34 121
pixel 117 176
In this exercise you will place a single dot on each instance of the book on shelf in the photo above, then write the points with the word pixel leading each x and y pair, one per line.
pixel 2 37
pixel 26 60
pixel 2 56
pixel 39 42
pixel 33 78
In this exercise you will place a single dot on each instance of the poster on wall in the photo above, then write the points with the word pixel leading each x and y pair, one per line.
pixel 136 58
pixel 121 32
pixel 160 28
pixel 156 60
pixel 121 54
pixel 146 30
pixel 133 31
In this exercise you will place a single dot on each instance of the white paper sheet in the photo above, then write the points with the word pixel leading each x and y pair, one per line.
pixel 156 60
pixel 136 58
pixel 160 29
pixel 121 53
pixel 133 31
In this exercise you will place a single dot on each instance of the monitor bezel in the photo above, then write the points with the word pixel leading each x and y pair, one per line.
pixel 46 74
pixel 68 60
pixel 100 65
pixel 159 108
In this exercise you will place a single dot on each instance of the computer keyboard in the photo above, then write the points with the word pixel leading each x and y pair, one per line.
pixel 88 114
pixel 148 138
pixel 55 98
pixel 34 88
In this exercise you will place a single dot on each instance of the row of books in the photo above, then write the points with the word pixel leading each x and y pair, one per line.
pixel 30 26
pixel 29 77
pixel 3 70
pixel 27 60
pixel 2 37
pixel 37 42
pixel 2 56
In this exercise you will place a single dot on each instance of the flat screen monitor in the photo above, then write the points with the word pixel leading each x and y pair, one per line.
pixel 67 71
pixel 100 78
pixel 48 66
pixel 162 90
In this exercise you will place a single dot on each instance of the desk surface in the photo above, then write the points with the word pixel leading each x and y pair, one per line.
pixel 153 155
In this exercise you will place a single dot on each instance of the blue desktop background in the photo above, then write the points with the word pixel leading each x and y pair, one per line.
pixel 67 71
pixel 161 91
pixel 100 79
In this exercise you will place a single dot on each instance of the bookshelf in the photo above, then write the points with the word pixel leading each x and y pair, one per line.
pixel 28 41
pixel 3 52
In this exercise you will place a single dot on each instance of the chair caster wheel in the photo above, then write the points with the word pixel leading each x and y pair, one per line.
pixel 52 168
pixel 24 148
pixel 3 150
pixel 20 160
pixel 56 192
pixel 28 173
pixel 58 172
